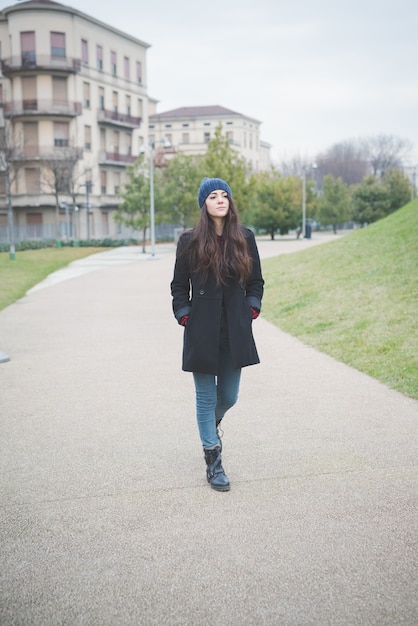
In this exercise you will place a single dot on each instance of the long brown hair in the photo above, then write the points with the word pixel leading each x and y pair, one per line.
pixel 227 261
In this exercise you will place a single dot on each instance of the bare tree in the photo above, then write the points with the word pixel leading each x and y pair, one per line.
pixel 294 165
pixel 346 160
pixel 10 158
pixel 386 152
pixel 60 172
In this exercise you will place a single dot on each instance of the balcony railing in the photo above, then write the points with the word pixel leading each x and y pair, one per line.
pixel 35 61
pixel 42 107
pixel 120 119
pixel 116 157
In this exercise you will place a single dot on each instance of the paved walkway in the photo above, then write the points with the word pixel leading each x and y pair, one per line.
pixel 106 517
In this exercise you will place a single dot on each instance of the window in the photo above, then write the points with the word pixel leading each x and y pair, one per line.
pixel 185 125
pixel 115 99
pixel 103 182
pixel 84 52
pixel 206 123
pixel 32 180
pixel 29 97
pixel 102 140
pixel 33 220
pixel 113 63
pixel 59 91
pixel 128 143
pixel 116 181
pixel 139 72
pixel 27 46
pixel 1 93
pixel 185 138
pixel 57 45
pixel 61 135
pixel 99 57
pixel 128 104
pixel 168 126
pixel 87 137
pixel 139 107
pixel 105 223
pixel 206 137
pixel 230 136
pixel 116 142
pixel 86 95
pixel 126 70
pixel 30 139
pixel 101 99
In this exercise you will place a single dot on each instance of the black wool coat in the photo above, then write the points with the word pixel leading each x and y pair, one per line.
pixel 206 302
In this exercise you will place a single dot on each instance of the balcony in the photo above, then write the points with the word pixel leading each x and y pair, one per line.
pixel 61 150
pixel 42 107
pixel 116 158
pixel 38 63
pixel 114 118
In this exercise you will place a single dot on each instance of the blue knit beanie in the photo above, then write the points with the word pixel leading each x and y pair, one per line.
pixel 211 184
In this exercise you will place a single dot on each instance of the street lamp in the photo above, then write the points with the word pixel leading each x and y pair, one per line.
pixel 166 144
pixel 314 167
pixel 88 185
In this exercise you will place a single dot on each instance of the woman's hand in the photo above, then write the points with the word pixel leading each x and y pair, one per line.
pixel 183 320
pixel 254 312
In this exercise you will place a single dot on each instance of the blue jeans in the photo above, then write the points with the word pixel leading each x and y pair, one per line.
pixel 214 396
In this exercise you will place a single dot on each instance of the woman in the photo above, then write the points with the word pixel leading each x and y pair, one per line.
pixel 217 290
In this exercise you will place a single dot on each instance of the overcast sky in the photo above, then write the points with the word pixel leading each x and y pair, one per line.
pixel 314 72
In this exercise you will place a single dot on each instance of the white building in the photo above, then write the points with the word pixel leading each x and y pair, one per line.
pixel 71 87
pixel 189 130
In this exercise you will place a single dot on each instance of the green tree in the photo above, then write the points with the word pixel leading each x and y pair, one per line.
pixel 398 189
pixel 178 184
pixel 222 161
pixel 370 201
pixel 275 202
pixel 335 203
pixel 135 208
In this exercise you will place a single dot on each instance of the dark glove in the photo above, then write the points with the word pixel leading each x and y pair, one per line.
pixel 255 312
pixel 183 320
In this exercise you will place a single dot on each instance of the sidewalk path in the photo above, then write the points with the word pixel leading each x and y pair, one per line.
pixel 106 516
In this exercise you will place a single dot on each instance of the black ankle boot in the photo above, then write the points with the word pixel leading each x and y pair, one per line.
pixel 214 470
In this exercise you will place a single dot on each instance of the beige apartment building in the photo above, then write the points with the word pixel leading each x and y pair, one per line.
pixel 189 130
pixel 74 90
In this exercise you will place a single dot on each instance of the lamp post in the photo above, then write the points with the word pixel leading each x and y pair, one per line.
pixel 88 185
pixel 303 201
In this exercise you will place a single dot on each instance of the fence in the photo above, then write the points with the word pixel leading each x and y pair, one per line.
pixel 45 232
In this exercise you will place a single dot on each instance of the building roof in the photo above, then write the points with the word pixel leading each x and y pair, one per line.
pixel 200 111
pixel 58 6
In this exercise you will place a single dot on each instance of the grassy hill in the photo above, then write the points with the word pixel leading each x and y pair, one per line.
pixel 355 298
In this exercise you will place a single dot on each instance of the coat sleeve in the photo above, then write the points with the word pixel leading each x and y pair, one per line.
pixel 255 283
pixel 180 285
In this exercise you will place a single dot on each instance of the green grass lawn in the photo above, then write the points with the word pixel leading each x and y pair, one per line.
pixel 355 299
pixel 32 266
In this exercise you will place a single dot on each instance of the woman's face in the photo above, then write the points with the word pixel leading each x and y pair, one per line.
pixel 217 204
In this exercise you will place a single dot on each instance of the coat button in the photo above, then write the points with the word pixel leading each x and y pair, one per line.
pixel 202 291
